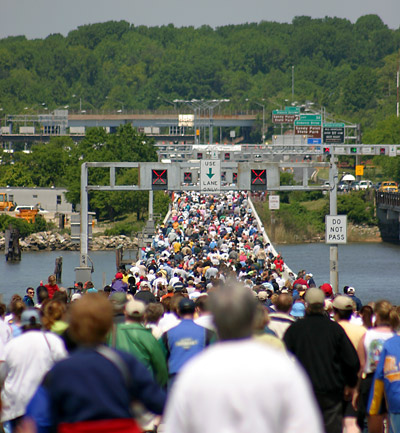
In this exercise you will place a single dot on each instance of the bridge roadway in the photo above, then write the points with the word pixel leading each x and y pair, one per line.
pixel 159 120
pixel 287 272
pixel 388 214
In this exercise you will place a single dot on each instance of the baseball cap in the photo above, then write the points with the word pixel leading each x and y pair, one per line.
pixel 342 302
pixel 262 295
pixel 30 317
pixel 298 309
pixel 186 306
pixel 351 290
pixel 135 308
pixel 315 296
pixel 118 299
pixel 327 289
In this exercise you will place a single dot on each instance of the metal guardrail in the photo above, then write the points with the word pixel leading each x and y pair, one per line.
pixel 388 198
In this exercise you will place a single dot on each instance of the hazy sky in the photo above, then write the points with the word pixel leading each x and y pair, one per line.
pixel 39 18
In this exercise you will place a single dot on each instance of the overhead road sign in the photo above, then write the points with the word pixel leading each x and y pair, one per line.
pixel 333 133
pixel 312 131
pixel 310 122
pixel 288 115
pixel 284 118
pixel 258 178
pixel 311 117
pixel 313 141
pixel 210 175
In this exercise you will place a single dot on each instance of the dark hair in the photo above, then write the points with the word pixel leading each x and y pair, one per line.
pixel 202 303
pixel 343 314
pixel 60 296
pixel 41 294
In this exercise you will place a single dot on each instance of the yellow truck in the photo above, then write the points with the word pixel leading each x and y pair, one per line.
pixel 5 204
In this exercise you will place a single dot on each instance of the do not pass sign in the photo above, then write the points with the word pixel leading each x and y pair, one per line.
pixel 336 229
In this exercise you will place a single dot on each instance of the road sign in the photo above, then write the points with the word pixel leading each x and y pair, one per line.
pixel 187 177
pixel 392 151
pixel 359 170
pixel 313 141
pixel 309 130
pixel 336 229
pixel 283 118
pixel 210 175
pixel 333 133
pixel 311 117
pixel 274 202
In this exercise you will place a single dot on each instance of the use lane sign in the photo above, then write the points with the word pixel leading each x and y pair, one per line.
pixel 336 229
pixel 210 175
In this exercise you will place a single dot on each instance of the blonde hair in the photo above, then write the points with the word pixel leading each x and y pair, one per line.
pixel 386 314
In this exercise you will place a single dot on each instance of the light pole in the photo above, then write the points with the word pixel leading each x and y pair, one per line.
pixel 80 102
pixel 263 118
pixel 263 122
pixel 119 102
pixel 169 102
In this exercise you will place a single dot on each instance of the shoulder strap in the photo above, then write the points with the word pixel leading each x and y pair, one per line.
pixel 115 359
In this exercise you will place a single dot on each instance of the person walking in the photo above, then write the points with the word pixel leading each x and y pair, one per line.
pixel 327 355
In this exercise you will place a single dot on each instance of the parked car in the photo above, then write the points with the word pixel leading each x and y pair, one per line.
pixel 27 207
pixel 355 186
pixel 365 184
pixel 343 186
pixel 389 186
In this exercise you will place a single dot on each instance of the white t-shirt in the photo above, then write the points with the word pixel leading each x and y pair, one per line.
pixel 27 358
pixel 242 386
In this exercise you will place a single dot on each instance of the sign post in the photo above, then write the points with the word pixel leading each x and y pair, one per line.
pixel 274 204
pixel 210 175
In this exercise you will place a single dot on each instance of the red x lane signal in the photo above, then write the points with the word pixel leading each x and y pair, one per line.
pixel 159 179
pixel 258 180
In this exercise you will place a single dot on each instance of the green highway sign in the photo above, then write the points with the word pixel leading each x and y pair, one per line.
pixel 292 110
pixel 311 117
pixel 310 122
pixel 333 125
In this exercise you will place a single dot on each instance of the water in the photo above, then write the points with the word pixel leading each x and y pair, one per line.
pixel 373 269
pixel 37 266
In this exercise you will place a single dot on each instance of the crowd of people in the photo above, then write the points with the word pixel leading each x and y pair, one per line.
pixel 208 331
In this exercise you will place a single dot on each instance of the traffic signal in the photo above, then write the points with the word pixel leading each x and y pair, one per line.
pixel 382 151
pixel 258 180
pixel 187 177
pixel 234 178
pixel 326 150
pixel 223 176
pixel 199 155
pixel 353 150
pixel 159 179
pixel 227 156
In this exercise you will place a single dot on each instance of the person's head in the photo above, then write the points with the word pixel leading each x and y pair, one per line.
pixel 42 294
pixel 186 308
pixel 315 300
pixel 154 312
pixel 61 296
pixel 284 303
pixel 134 310
pixel 118 301
pixel 52 312
pixel 91 318
pixel 386 314
pixel 202 305
pixel 233 308
pixel 175 299
pixel 366 313
pixel 17 308
pixel 52 280
pixel 30 320
pixel 343 307
pixel 30 291
pixel 261 318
